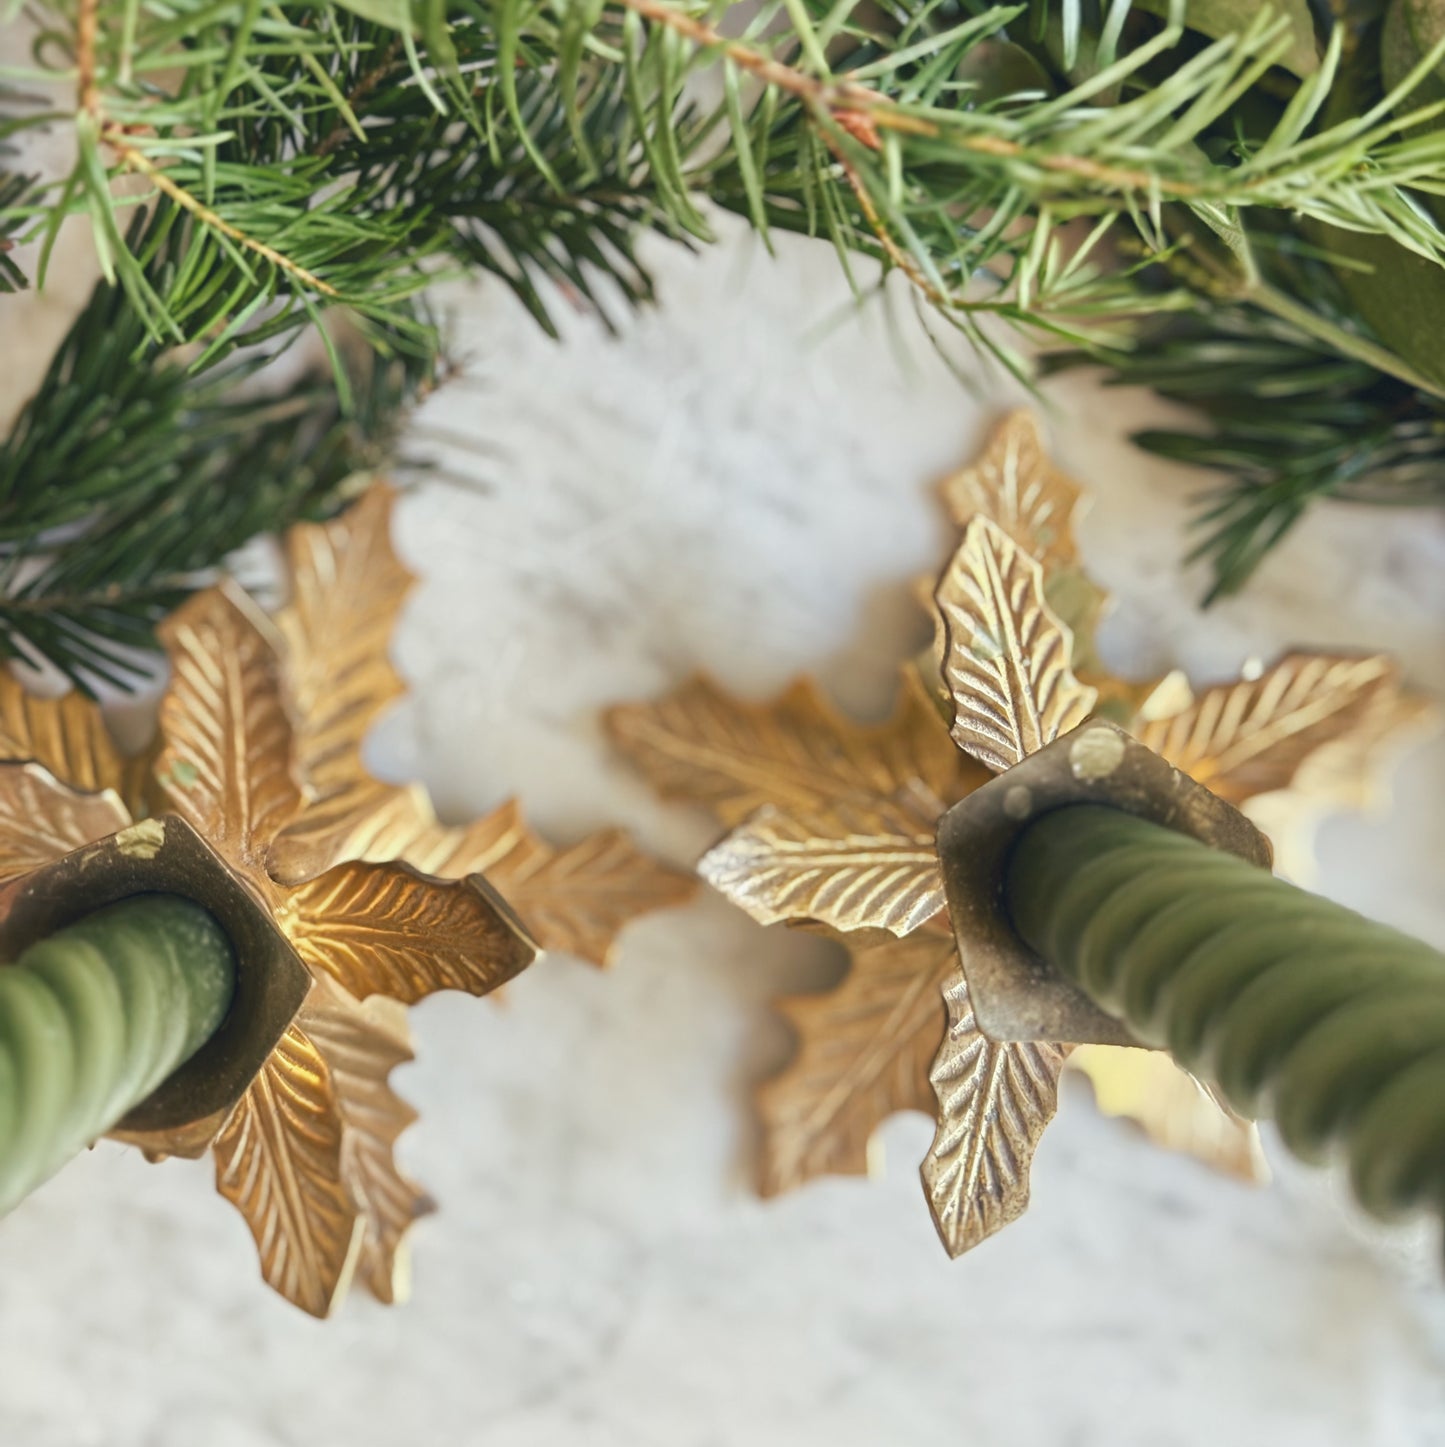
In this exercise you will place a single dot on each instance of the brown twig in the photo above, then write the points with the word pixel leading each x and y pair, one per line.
pixel 842 98
pixel 860 111
pixel 87 89
pixel 830 96
pixel 894 252
pixel 137 160
pixel 88 99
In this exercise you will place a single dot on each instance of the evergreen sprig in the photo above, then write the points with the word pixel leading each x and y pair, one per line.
pixel 15 192
pixel 130 476
pixel 488 205
pixel 879 135
pixel 1289 422
pixel 322 167
pixel 1078 170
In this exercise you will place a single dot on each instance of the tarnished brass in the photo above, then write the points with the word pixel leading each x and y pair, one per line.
pixel 348 586
pixel 167 856
pixel 302 1128
pixel 1016 996
pixel 326 880
pixel 832 825
pixel 1007 664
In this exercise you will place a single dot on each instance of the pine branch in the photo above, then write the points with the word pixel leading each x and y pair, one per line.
pixel 275 232
pixel 320 174
pixel 1027 164
pixel 897 151
pixel 1288 420
pixel 491 207
pixel 881 138
pixel 16 191
pixel 130 477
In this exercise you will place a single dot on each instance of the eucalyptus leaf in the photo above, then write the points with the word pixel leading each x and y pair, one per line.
pixel 394 13
pixel 998 69
pixel 1220 18
pixel 1412 28
pixel 1399 295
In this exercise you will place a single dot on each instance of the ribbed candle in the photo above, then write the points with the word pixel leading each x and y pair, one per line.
pixel 94 1018
pixel 1294 1006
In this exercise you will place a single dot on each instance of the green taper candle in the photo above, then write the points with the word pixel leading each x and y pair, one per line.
pixel 1294 1006
pixel 94 1018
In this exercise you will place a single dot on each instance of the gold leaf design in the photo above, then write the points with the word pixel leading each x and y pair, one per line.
pixel 41 818
pixel 1014 484
pixel 347 589
pixel 1162 698
pixel 226 765
pixel 1131 703
pixel 1171 1108
pixel 578 899
pixel 852 866
pixel 1347 772
pixel 68 735
pixel 1252 737
pixel 407 829
pixel 362 1042
pixel 927 664
pixel 864 1052
pixel 371 820
pixel 575 900
pixel 307 1153
pixel 1008 655
pixel 385 929
pixel 703 745
pixel 1343 772
pixel 994 1101
pixel 278 1161
pixel 1013 665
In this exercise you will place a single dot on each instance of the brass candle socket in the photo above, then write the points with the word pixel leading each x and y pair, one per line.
pixel 1017 995
pixel 166 856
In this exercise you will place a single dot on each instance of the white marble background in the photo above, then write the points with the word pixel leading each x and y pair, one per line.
pixel 741 483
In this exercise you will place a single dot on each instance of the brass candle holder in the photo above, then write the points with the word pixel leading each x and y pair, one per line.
pixel 833 824
pixel 344 898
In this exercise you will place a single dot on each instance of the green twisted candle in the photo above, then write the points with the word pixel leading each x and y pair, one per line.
pixel 94 1018
pixel 1294 1006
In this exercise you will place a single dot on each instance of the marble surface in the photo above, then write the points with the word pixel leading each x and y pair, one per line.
pixel 740 483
